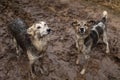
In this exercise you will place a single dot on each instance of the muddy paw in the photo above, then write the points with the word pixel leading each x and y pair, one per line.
pixel 45 70
pixel 83 71
pixel 87 56
pixel 33 75
pixel 77 61
pixel 39 69
pixel 107 51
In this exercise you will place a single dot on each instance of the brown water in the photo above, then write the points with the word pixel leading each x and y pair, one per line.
pixel 61 53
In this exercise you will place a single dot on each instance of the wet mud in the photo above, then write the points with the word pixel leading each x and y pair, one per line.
pixel 59 62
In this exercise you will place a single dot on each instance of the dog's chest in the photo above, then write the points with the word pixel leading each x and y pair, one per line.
pixel 80 43
pixel 40 45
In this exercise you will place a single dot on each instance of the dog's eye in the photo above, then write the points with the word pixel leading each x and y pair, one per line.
pixel 45 24
pixel 38 27
pixel 85 24
pixel 78 24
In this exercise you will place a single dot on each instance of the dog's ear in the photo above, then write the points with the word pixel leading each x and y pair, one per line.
pixel 91 22
pixel 30 30
pixel 74 23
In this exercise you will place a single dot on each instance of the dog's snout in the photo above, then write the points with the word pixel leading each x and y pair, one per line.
pixel 48 30
pixel 82 30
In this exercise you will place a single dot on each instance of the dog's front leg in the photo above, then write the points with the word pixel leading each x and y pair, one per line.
pixel 19 51
pixel 84 67
pixel 105 40
pixel 77 44
pixel 31 62
pixel 78 47
pixel 85 51
pixel 31 70
pixel 78 59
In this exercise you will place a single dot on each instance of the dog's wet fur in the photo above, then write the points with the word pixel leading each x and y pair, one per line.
pixel 89 35
pixel 30 40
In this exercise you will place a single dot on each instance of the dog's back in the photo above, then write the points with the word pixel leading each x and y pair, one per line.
pixel 97 30
pixel 18 29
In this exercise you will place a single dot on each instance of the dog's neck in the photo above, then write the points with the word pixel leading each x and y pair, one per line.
pixel 39 43
pixel 80 38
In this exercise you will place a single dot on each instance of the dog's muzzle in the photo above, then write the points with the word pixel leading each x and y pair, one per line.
pixel 48 30
pixel 82 30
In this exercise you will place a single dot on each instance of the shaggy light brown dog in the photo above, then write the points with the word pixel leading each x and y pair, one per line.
pixel 30 40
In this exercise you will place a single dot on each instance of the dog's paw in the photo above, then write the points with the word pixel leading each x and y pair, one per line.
pixel 39 68
pixel 87 56
pixel 107 51
pixel 33 76
pixel 77 61
pixel 83 71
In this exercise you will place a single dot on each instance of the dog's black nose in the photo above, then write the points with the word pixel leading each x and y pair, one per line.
pixel 82 30
pixel 48 30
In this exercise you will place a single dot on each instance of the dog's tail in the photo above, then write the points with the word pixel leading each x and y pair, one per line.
pixel 105 15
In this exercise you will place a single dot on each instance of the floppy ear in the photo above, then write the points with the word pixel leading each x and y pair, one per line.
pixel 30 30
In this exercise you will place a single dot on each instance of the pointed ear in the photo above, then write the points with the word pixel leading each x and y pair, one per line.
pixel 30 30
pixel 91 22
pixel 74 23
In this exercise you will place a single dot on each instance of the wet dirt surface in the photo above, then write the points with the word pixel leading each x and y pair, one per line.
pixel 61 54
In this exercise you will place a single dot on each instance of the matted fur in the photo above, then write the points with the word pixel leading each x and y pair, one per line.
pixel 31 40
pixel 80 37
pixel 89 35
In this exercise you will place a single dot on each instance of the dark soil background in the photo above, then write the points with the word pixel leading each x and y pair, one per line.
pixel 61 53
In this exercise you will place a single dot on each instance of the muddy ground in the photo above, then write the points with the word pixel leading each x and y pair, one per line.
pixel 61 54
